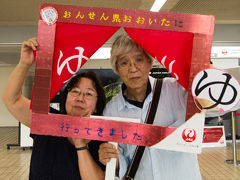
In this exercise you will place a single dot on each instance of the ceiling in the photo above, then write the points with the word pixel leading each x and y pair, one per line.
pixel 23 13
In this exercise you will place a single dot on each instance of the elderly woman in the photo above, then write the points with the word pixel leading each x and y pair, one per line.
pixel 133 65
pixel 59 158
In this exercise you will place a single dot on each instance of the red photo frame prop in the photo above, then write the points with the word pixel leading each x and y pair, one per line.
pixel 184 49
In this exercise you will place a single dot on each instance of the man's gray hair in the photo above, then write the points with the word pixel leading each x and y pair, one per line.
pixel 124 44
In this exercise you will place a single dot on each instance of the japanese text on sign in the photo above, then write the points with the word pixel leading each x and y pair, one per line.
pixel 118 18
pixel 100 132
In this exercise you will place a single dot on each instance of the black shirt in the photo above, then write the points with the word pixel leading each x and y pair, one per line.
pixel 55 158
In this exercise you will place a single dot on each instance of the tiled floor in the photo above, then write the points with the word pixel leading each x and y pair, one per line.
pixel 14 163
pixel 213 166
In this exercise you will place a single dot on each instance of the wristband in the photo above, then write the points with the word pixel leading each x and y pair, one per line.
pixel 82 148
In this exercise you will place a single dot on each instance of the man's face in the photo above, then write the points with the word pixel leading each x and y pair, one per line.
pixel 133 68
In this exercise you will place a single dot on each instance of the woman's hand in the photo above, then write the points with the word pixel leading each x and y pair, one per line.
pixel 79 142
pixel 27 57
pixel 106 152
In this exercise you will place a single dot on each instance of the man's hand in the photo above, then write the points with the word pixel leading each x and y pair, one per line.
pixel 106 152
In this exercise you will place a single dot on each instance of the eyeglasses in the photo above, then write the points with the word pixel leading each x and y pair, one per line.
pixel 125 63
pixel 88 94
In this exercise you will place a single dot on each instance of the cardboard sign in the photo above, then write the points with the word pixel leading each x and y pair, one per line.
pixel 69 35
pixel 218 87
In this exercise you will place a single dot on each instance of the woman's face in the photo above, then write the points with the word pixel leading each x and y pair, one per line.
pixel 133 68
pixel 82 99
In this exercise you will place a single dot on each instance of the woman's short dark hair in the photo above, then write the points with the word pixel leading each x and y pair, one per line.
pixel 101 99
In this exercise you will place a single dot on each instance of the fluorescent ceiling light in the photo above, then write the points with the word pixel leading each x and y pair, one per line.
pixel 102 53
pixel 157 5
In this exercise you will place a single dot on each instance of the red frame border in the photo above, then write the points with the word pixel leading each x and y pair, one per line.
pixel 201 26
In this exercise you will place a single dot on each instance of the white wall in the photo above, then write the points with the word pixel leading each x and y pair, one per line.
pixel 227 32
pixel 6 119
pixel 17 34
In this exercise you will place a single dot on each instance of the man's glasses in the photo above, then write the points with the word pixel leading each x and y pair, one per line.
pixel 125 63
pixel 88 94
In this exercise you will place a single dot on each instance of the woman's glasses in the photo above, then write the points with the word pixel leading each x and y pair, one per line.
pixel 88 94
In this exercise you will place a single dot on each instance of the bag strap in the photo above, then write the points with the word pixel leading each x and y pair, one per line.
pixel 149 120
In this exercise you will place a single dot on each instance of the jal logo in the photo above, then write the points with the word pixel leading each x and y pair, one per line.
pixel 189 135
pixel 224 52
pixel 222 142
